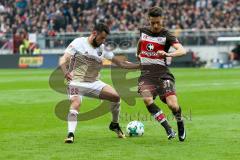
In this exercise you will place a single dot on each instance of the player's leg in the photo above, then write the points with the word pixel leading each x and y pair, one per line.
pixel 72 120
pixel 110 94
pixel 157 113
pixel 168 96
pixel 148 90
pixel 177 112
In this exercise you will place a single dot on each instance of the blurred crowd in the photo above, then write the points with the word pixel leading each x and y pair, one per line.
pixel 54 16
pixel 48 18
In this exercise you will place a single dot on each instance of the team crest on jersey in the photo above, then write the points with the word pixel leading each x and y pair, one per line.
pixel 150 46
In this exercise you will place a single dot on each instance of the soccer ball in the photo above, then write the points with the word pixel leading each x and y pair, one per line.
pixel 135 128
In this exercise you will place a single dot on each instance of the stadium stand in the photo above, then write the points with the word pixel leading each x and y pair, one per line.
pixel 51 16
pixel 57 22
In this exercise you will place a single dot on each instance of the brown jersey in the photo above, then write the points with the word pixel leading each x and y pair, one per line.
pixel 154 65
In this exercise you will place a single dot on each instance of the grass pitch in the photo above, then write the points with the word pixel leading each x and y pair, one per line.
pixel 29 128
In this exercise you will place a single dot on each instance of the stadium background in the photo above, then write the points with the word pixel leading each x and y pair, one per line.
pixel 208 87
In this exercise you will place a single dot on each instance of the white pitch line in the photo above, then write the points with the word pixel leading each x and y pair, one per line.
pixel 210 84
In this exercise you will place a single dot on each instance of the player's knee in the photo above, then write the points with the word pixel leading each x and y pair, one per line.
pixel 115 98
pixel 75 102
pixel 173 104
pixel 148 100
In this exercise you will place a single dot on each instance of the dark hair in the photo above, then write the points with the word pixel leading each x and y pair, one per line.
pixel 99 27
pixel 155 11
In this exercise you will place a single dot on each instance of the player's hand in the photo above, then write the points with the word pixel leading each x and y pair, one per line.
pixel 68 76
pixel 163 53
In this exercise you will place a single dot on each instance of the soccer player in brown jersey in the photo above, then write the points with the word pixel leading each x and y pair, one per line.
pixel 156 79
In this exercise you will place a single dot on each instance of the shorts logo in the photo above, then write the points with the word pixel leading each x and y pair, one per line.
pixel 150 46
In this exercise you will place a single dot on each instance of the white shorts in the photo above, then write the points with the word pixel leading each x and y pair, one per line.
pixel 89 89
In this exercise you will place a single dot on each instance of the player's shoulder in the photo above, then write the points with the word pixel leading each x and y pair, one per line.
pixel 105 51
pixel 167 31
pixel 77 45
pixel 144 29
pixel 147 30
pixel 79 39
pixel 78 42
pixel 164 30
pixel 102 48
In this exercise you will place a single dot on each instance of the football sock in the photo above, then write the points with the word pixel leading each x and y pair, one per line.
pixel 178 115
pixel 115 109
pixel 159 116
pixel 72 120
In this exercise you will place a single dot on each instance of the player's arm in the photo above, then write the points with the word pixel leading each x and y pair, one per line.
pixel 124 64
pixel 173 41
pixel 180 51
pixel 119 61
pixel 64 63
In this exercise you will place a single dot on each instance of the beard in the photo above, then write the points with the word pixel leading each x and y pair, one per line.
pixel 94 43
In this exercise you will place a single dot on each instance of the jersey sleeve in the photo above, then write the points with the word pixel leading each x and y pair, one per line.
pixel 171 39
pixel 108 54
pixel 72 47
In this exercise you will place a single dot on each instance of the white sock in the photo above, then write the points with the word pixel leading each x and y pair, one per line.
pixel 115 109
pixel 72 120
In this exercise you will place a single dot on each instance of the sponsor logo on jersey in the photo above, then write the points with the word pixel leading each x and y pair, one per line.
pixel 150 53
pixel 159 40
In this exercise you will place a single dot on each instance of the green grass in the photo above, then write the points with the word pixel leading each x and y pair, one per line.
pixel 29 128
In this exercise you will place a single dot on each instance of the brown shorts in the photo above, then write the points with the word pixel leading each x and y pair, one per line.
pixel 156 87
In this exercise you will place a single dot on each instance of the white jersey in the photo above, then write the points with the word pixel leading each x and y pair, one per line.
pixel 87 61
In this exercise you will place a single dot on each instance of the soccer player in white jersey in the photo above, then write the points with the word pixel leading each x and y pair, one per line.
pixel 84 58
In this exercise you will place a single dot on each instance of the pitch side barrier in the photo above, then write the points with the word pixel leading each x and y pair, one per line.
pixel 184 61
pixel 29 61
pixel 52 60
pixel 9 61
